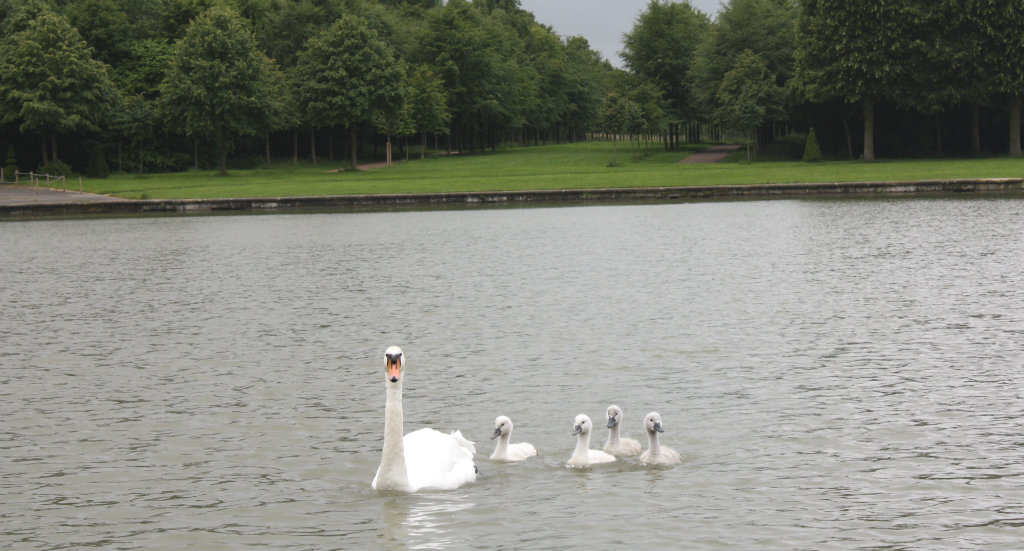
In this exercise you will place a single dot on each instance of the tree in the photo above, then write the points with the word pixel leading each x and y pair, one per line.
pixel 51 84
pixel 852 51
pixel 745 95
pixel 661 47
pixel 218 85
pixel 1006 57
pixel 764 27
pixel 428 104
pixel 348 76
pixel 104 26
pixel 618 115
pixel 586 86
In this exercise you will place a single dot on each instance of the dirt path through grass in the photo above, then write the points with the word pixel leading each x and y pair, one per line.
pixel 712 154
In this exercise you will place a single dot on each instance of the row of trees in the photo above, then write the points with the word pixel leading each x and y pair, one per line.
pixel 771 64
pixel 169 80
pixel 160 77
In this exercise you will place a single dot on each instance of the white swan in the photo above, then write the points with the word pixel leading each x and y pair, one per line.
pixel 616 445
pixel 583 455
pixel 504 451
pixel 656 454
pixel 424 459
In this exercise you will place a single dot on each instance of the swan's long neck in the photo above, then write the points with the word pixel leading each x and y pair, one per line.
pixel 613 435
pixel 653 444
pixel 582 450
pixel 502 448
pixel 392 474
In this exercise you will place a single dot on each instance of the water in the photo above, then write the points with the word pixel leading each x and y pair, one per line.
pixel 839 374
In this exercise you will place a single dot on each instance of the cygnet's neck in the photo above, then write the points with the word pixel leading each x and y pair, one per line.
pixel 501 450
pixel 582 451
pixel 392 474
pixel 613 436
pixel 653 444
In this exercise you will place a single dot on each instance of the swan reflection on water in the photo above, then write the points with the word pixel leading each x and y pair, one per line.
pixel 420 522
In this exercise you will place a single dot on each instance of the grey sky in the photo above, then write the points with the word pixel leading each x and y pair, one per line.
pixel 601 22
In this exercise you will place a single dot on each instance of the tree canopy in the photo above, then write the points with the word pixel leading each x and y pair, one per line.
pixel 176 80
pixel 218 85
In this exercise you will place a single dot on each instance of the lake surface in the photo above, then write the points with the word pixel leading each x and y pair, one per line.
pixel 837 374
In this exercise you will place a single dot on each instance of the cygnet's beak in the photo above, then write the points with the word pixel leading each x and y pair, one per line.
pixel 497 433
pixel 657 427
pixel 611 422
pixel 577 429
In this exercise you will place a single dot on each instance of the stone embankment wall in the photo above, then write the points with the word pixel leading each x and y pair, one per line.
pixel 496 198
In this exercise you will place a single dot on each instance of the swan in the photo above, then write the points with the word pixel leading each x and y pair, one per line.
pixel 616 445
pixel 424 459
pixel 583 455
pixel 504 451
pixel 656 454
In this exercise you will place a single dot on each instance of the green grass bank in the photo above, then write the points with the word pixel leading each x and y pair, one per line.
pixel 552 167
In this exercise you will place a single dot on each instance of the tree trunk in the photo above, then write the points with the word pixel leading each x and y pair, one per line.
pixel 120 168
pixel 423 145
pixel 312 144
pixel 42 145
pixel 353 137
pixel 938 134
pixel 140 157
pixel 223 155
pixel 975 129
pixel 266 138
pixel 1015 126
pixel 295 147
pixel 869 128
pixel 53 137
pixel 195 152
pixel 849 138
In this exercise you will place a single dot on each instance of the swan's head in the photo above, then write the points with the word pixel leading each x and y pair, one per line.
pixel 653 422
pixel 582 425
pixel 395 363
pixel 614 416
pixel 502 425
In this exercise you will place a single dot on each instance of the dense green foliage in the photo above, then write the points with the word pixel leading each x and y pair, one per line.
pixel 173 84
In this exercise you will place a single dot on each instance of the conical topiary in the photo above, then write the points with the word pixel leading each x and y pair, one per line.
pixel 10 165
pixel 812 153
pixel 97 163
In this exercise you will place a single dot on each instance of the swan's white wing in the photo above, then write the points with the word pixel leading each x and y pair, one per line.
pixel 520 451
pixel 627 448
pixel 437 460
pixel 598 456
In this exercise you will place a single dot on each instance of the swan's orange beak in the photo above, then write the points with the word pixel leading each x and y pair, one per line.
pixel 394 369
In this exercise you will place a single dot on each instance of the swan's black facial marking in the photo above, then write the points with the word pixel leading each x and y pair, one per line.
pixel 393 366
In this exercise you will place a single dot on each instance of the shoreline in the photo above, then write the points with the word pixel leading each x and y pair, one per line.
pixel 104 205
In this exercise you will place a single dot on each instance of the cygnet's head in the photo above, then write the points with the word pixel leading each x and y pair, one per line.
pixel 582 425
pixel 653 422
pixel 614 416
pixel 395 363
pixel 502 425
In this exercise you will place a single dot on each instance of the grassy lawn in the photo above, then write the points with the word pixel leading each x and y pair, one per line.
pixel 583 165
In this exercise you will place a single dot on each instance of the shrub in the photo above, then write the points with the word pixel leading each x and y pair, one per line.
pixel 10 165
pixel 55 168
pixel 812 153
pixel 97 163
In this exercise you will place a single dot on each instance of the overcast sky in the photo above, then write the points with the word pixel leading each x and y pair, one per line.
pixel 601 22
